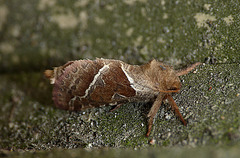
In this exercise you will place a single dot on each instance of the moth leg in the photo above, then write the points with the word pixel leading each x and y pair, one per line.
pixel 175 108
pixel 153 111
pixel 116 107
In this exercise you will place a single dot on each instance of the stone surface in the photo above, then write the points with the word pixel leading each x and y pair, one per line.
pixel 209 101
pixel 44 33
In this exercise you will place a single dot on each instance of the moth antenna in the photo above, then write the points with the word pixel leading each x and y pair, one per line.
pixel 188 69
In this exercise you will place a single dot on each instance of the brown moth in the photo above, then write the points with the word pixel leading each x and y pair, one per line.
pixel 84 84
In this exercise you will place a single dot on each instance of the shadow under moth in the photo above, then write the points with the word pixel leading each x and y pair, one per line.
pixel 84 84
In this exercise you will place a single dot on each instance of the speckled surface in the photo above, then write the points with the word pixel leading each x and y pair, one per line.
pixel 44 33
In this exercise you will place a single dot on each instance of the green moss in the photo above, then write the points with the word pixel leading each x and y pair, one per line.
pixel 212 115
pixel 135 33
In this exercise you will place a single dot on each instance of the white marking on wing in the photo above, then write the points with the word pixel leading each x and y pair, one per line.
pixel 133 84
pixel 105 67
pixel 140 88
pixel 71 102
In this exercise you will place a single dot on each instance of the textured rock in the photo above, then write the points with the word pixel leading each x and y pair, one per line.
pixel 41 34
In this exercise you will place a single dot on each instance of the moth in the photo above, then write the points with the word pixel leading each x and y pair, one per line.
pixel 83 84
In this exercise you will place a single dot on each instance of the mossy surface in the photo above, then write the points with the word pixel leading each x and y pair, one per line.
pixel 41 34
pixel 209 101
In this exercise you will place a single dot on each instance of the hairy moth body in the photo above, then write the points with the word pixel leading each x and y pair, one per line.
pixel 84 84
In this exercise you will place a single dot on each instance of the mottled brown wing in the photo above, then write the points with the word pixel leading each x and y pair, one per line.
pixel 86 84
pixel 74 81
pixel 115 86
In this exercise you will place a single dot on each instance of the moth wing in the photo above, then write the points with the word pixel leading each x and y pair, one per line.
pixel 74 81
pixel 113 86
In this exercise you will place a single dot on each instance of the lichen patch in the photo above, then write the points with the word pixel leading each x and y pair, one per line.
pixel 129 31
pixel 229 20
pixel 65 21
pixel 202 19
pixel 43 4
pixel 207 6
pixel 3 15
pixel 83 17
pixel 6 47
pixel 81 3
pixel 132 2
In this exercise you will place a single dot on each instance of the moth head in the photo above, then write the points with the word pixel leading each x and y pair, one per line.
pixel 173 83
pixel 164 77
